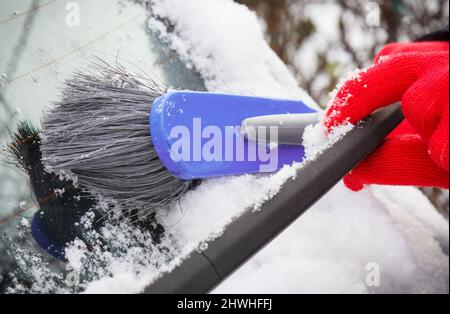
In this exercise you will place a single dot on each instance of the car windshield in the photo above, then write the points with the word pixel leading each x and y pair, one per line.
pixel 49 40
pixel 45 46
pixel 52 239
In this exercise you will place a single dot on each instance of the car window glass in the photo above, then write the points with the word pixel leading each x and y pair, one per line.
pixel 44 41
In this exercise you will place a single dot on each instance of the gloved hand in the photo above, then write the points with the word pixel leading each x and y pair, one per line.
pixel 416 153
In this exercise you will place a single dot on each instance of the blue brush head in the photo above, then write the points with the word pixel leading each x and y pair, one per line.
pixel 197 134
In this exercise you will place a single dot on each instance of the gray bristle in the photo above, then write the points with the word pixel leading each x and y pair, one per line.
pixel 100 132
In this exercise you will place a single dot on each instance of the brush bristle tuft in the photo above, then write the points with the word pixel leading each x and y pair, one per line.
pixel 100 133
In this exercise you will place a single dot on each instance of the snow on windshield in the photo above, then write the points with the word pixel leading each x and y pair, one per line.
pixel 331 248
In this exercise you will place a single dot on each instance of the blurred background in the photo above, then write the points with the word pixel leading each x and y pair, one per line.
pixel 322 40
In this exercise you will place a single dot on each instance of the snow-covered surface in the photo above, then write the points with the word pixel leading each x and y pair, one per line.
pixel 328 249
pixel 334 247
pixel 331 246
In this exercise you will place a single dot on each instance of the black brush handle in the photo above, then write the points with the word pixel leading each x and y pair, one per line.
pixel 202 271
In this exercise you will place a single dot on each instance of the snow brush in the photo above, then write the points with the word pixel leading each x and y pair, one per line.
pixel 118 135
pixel 103 127
pixel 108 141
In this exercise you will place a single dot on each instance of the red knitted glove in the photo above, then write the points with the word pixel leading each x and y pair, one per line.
pixel 416 153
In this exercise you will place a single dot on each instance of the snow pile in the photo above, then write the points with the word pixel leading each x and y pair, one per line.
pixel 334 245
pixel 316 138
